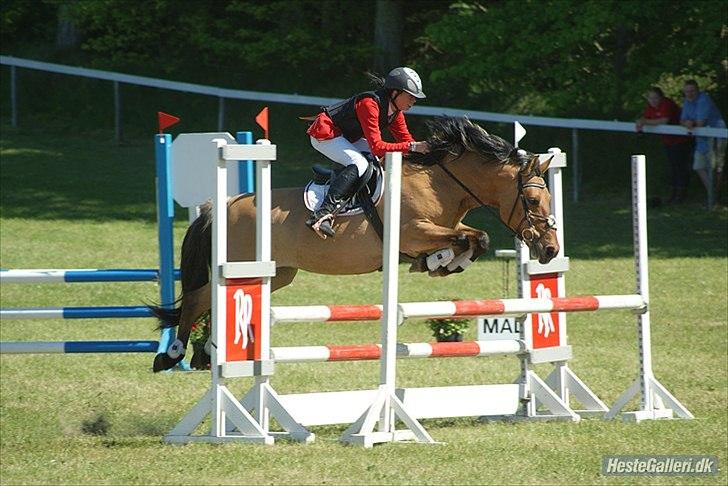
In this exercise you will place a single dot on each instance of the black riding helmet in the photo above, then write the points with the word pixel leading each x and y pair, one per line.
pixel 405 79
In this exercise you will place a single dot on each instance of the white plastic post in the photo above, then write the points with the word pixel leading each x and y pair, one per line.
pixel 229 419
pixel 386 407
pixel 263 242
pixel 653 395
pixel 219 256
pixel 639 230
pixel 390 292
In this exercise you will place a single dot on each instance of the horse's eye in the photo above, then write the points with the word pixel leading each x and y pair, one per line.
pixel 533 201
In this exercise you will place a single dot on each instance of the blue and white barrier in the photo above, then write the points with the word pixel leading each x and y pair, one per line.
pixel 169 172
pixel 68 347
pixel 38 275
pixel 102 312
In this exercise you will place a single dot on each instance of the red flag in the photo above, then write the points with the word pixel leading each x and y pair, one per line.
pixel 262 120
pixel 166 120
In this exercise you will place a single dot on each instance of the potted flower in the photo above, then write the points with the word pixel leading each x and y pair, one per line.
pixel 447 329
pixel 199 335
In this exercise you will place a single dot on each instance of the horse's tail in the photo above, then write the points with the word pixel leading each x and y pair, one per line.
pixel 194 265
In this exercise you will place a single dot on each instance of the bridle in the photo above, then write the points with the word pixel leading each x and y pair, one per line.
pixel 529 233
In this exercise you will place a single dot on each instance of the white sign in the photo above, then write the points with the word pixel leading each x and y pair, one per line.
pixel 498 328
pixel 194 158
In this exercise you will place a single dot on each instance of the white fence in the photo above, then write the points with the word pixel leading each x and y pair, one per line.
pixel 222 94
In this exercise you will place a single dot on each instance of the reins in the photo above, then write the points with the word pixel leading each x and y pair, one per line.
pixel 528 234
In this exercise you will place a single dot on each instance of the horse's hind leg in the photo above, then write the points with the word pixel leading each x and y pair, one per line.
pixel 197 302
pixel 202 303
pixel 284 276
pixel 194 304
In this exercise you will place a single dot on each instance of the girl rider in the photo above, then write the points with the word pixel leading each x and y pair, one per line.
pixel 344 130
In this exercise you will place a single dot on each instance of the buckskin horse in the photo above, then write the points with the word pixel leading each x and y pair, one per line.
pixel 466 168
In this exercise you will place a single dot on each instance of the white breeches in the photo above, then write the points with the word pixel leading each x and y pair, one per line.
pixel 343 152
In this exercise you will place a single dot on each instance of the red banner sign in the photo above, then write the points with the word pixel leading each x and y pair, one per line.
pixel 545 326
pixel 242 319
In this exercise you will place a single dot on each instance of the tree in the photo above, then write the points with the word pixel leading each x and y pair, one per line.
pixel 388 35
pixel 575 58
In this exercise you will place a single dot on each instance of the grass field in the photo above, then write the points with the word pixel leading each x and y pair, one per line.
pixel 77 202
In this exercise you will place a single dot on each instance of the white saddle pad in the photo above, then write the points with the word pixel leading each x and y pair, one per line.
pixel 313 196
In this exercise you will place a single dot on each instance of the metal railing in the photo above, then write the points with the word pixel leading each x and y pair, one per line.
pixel 222 94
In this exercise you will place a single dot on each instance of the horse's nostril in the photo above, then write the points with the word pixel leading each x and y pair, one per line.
pixel 550 251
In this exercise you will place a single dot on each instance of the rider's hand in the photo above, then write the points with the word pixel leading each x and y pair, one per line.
pixel 420 147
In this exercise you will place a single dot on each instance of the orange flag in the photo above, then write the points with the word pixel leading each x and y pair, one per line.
pixel 262 120
pixel 166 120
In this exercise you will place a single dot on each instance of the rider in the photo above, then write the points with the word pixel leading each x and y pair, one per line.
pixel 344 130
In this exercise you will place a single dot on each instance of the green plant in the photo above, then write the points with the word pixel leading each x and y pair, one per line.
pixel 200 330
pixel 444 327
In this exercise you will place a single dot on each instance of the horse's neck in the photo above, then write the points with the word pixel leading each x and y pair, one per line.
pixel 428 193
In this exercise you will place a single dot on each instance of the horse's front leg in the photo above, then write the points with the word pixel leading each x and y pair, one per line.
pixel 460 245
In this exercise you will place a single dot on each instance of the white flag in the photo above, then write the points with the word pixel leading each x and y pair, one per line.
pixel 519 132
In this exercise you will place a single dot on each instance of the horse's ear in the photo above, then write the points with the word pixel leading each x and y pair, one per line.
pixel 545 165
pixel 528 168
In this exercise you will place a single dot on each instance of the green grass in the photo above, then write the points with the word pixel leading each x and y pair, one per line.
pixel 99 419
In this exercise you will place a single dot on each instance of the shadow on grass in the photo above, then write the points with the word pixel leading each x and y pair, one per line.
pixel 53 177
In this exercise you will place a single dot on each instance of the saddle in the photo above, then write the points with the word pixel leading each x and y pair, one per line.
pixel 364 201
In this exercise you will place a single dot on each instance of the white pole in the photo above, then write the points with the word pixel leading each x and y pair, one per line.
pixel 219 257
pixel 639 226
pixel 263 198
pixel 263 243
pixel 557 210
pixel 393 168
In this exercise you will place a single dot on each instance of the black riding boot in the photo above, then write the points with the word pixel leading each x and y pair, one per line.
pixel 341 189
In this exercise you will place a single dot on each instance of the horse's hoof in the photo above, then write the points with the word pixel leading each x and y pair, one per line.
pixel 419 264
pixel 462 242
pixel 200 360
pixel 484 241
pixel 162 362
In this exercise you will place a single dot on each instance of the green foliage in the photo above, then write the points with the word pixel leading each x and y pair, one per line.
pixel 241 39
pixel 585 58
pixel 580 58
pixel 443 328
pixel 99 418
pixel 200 330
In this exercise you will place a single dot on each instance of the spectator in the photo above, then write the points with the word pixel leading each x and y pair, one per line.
pixel 700 111
pixel 661 110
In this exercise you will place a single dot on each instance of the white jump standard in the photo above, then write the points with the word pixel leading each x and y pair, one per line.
pixel 242 316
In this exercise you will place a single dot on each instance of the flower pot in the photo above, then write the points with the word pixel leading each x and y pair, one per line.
pixel 452 338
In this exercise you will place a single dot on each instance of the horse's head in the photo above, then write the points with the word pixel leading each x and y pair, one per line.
pixel 491 172
pixel 525 207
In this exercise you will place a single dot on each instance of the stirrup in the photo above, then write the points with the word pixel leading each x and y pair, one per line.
pixel 323 226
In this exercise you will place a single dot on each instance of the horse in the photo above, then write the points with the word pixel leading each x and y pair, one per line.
pixel 466 168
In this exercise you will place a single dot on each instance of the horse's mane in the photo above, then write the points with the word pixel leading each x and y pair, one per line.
pixel 453 136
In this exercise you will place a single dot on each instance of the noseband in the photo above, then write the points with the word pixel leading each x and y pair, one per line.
pixel 529 233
